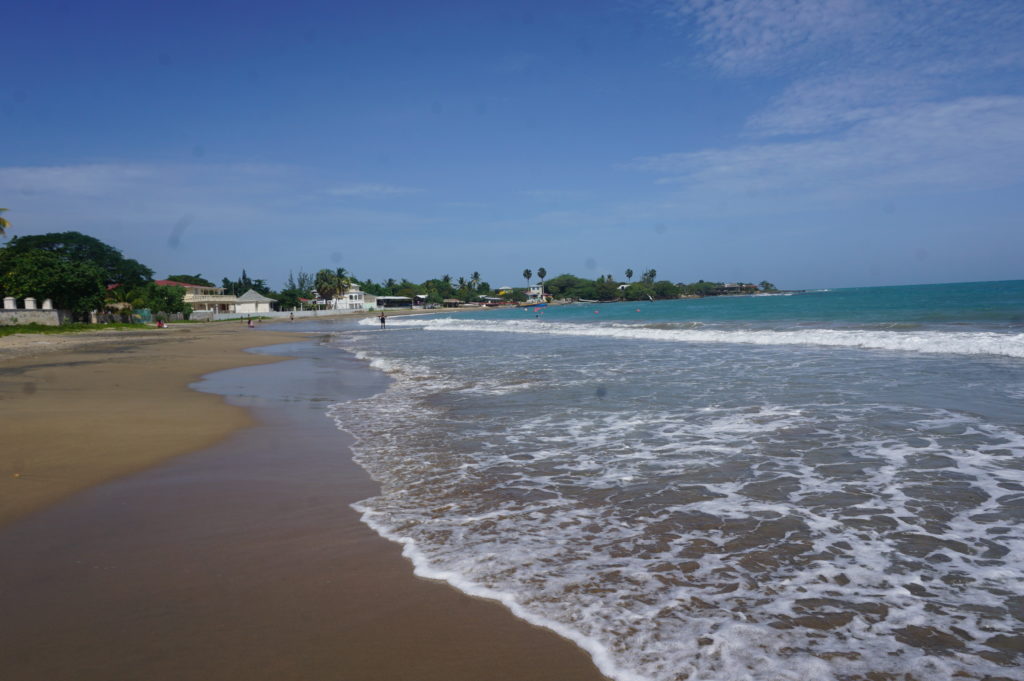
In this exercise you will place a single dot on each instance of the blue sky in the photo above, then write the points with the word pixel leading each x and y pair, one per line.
pixel 820 143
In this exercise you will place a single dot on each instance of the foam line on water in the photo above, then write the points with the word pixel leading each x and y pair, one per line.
pixel 926 342
pixel 423 567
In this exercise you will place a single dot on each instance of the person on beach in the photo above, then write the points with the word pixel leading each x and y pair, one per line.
pixel 251 325
pixel 291 316
pixel 383 319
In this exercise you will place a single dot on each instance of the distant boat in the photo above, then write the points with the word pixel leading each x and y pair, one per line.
pixel 531 304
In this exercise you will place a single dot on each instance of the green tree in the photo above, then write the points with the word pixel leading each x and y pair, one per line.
pixel 527 275
pixel 329 284
pixel 71 285
pixel 196 279
pixel 474 279
pixel 122 301
pixel 571 286
pixel 768 286
pixel 665 290
pixel 165 299
pixel 75 247
pixel 541 273
pixel 629 275
pixel 606 289
pixel 638 291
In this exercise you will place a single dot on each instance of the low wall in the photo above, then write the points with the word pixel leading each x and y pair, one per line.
pixel 42 317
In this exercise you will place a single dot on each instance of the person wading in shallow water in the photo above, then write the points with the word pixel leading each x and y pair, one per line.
pixel 383 319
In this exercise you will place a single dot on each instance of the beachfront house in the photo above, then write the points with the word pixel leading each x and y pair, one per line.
pixel 203 298
pixel 252 302
pixel 354 298
pixel 535 294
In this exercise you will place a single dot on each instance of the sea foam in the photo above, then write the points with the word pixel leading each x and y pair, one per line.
pixel 927 342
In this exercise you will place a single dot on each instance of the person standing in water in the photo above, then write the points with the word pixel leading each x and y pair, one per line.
pixel 382 320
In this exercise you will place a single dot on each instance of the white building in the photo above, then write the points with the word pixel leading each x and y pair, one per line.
pixel 353 299
pixel 357 299
pixel 203 298
pixel 252 302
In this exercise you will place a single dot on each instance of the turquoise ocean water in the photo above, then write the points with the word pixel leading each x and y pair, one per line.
pixel 823 485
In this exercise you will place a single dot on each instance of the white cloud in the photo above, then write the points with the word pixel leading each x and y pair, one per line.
pixel 82 180
pixel 827 103
pixel 877 96
pixel 753 36
pixel 969 143
pixel 366 190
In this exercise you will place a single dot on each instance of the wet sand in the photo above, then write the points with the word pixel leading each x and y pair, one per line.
pixel 240 561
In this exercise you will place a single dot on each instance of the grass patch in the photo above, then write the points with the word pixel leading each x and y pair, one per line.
pixel 66 328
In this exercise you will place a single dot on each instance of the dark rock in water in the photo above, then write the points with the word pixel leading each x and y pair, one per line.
pixel 929 638
pixel 1013 644
pixel 1015 606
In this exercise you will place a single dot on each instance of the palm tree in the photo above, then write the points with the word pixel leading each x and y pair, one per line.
pixel 344 279
pixel 447 278
pixel 629 275
pixel 327 284
pixel 4 224
pixel 122 301
pixel 462 283
pixel 475 279
pixel 527 275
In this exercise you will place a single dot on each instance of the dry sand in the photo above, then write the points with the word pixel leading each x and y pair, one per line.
pixel 242 560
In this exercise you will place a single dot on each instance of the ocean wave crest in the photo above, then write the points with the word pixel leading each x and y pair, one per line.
pixel 924 342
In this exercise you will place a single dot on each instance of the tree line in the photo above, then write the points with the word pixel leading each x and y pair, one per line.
pixel 81 273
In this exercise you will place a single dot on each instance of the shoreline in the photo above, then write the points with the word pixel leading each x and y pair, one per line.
pixel 243 558
pixel 64 399
pixel 38 392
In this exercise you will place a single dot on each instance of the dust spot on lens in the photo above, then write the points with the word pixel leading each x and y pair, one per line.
pixel 601 392
pixel 178 231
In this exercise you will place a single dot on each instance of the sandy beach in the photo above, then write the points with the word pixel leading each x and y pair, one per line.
pixel 149 530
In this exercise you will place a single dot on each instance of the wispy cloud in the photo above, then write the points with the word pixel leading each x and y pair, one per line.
pixel 970 143
pixel 876 97
pixel 755 36
pixel 224 200
pixel 370 191
pixel 80 180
